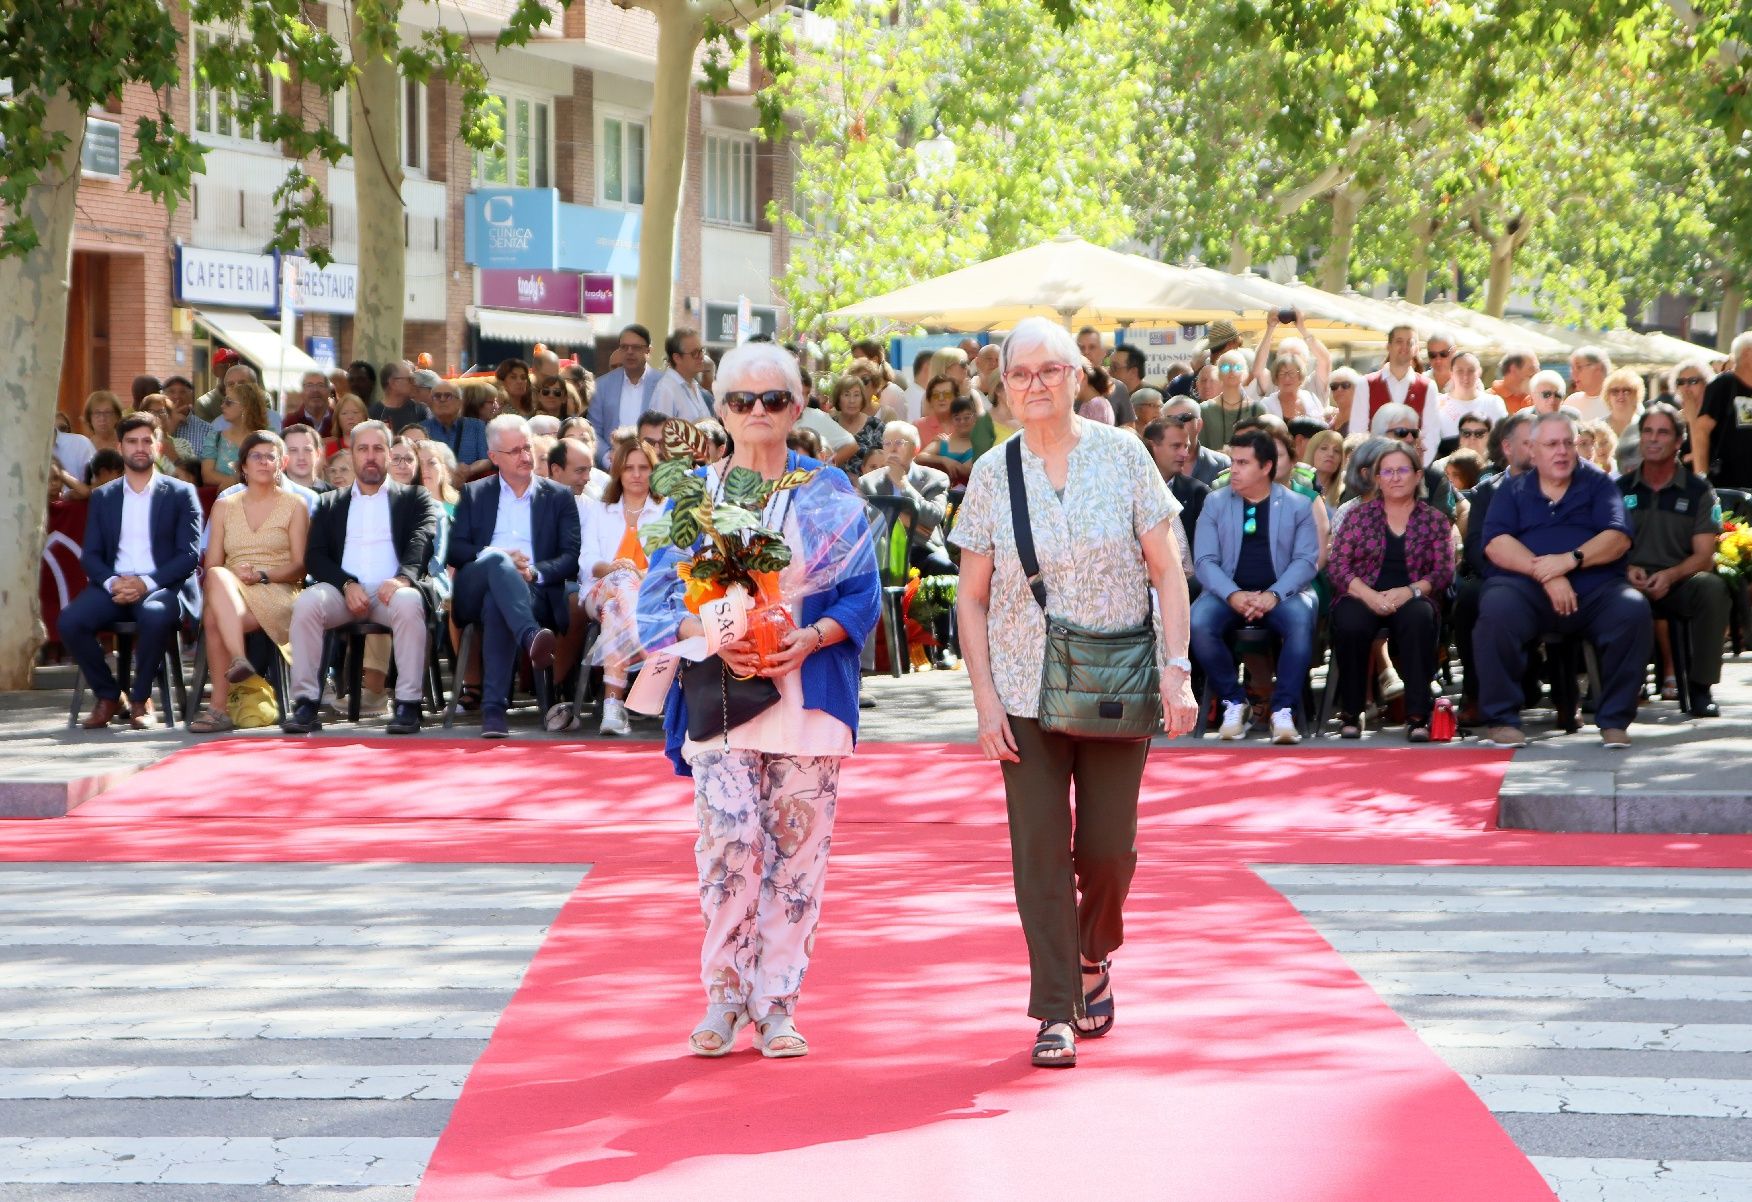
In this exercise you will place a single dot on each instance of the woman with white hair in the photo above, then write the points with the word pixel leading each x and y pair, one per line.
pixel 765 782
pixel 1546 391
pixel 1300 373
pixel 1098 532
pixel 1345 391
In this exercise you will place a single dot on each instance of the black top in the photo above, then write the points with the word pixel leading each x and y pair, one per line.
pixel 1190 492
pixel 1728 400
pixel 1254 572
pixel 1393 573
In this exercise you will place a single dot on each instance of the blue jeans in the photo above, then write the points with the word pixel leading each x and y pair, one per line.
pixel 1292 620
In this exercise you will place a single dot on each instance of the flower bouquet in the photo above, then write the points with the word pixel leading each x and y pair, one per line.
pixel 738 553
pixel 1733 557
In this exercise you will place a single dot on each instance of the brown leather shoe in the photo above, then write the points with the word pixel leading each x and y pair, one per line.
pixel 143 717
pixel 106 710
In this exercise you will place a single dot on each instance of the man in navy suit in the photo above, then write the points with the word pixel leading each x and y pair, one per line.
pixel 142 543
pixel 514 546
pixel 625 392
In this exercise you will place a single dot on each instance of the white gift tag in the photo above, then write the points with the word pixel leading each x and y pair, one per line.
pixel 725 621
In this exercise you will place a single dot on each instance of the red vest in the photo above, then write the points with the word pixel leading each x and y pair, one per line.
pixel 1379 396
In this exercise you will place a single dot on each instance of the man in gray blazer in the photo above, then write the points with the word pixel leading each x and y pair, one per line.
pixel 926 487
pixel 1257 552
pixel 625 392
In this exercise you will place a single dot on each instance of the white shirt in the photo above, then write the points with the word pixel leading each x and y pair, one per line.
pixel 73 452
pixel 915 403
pixel 893 396
pixel 134 550
pixel 678 398
pixel 1397 389
pixel 833 435
pixel 1308 405
pixel 1444 418
pixel 603 527
pixel 513 528
pixel 632 399
pixel 370 556
pixel 1592 408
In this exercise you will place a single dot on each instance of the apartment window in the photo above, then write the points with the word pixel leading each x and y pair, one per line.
pixel 212 108
pixel 413 124
pixel 729 179
pixel 621 143
pixel 522 158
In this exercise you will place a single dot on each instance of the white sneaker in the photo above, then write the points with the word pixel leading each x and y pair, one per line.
pixel 1235 720
pixel 373 705
pixel 1283 727
pixel 614 718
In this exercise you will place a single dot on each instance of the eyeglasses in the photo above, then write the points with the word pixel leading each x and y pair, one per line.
pixel 1440 354
pixel 553 391
pixel 230 400
pixel 1341 386
pixel 635 348
pixel 1621 392
pixel 1689 381
pixel 445 396
pixel 775 401
pixel 1251 525
pixel 267 458
pixel 1402 432
pixel 1229 369
pixel 1020 379
pixel 1392 473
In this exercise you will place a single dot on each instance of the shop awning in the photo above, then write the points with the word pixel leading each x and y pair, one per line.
pixel 281 367
pixel 514 326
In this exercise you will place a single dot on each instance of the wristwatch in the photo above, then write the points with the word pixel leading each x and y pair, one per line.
pixel 1580 558
pixel 1181 662
pixel 1416 592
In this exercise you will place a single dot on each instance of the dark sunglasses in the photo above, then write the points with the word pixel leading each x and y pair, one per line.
pixel 1402 432
pixel 1547 394
pixel 1441 354
pixel 1251 525
pixel 1690 381
pixel 553 391
pixel 1340 386
pixel 776 401
pixel 1474 432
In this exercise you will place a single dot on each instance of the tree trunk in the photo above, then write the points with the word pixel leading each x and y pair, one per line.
pixel 1240 258
pixel 377 175
pixel 1417 280
pixel 1728 316
pixel 1502 273
pixel 1347 203
pixel 679 32
pixel 33 327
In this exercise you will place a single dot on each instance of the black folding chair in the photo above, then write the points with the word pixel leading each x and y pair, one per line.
pixel 170 675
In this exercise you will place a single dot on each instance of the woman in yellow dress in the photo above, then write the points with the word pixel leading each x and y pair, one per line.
pixel 254 568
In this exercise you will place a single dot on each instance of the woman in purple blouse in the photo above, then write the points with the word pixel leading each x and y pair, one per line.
pixel 1391 557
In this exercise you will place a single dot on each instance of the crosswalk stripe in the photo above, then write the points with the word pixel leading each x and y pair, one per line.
pixel 1544 943
pixel 1447 879
pixel 437 973
pixel 380 1082
pixel 1542 903
pixel 1592 1036
pixel 274 935
pixel 72 907
pixel 1675 1097
pixel 1646 986
pixel 389 875
pixel 1600 1179
pixel 166 1160
pixel 348 1022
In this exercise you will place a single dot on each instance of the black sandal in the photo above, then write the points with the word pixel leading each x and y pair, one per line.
pixel 1100 1010
pixel 1048 1041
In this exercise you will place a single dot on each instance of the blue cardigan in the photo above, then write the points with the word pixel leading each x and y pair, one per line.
pixel 830 676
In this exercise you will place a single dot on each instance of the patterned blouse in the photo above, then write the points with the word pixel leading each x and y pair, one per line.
pixel 1359 544
pixel 1087 544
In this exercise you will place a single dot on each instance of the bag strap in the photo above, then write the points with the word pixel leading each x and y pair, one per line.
pixel 1019 523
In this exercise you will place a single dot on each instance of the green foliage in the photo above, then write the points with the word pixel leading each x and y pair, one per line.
pixel 1041 118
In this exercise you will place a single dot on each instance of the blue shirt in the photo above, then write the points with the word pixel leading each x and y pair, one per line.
pixel 466 437
pixel 1590 505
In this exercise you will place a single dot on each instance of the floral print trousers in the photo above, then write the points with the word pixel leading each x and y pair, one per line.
pixel 766 827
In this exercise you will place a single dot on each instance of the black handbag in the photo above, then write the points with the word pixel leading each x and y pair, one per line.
pixel 1095 684
pixel 718 701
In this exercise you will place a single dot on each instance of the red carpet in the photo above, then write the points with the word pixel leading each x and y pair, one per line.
pixel 1249 1063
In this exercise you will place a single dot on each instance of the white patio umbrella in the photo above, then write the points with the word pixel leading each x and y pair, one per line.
pixel 1067 279
pixel 1502 335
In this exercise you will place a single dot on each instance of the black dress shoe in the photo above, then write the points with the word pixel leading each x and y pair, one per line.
pixel 1702 704
pixel 404 719
pixel 303 719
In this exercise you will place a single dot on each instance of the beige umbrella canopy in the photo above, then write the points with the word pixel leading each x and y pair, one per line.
pixel 1067 279
pixel 1498 336
pixel 1327 315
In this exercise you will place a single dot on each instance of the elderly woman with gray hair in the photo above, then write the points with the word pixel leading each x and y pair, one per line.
pixel 1097 531
pixel 766 775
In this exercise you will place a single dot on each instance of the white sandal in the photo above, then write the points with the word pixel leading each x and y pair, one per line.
pixel 723 1021
pixel 777 1026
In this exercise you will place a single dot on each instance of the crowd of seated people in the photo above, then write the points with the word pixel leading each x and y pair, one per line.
pixel 1394 525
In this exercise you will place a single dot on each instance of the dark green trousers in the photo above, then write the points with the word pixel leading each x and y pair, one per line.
pixel 1073 862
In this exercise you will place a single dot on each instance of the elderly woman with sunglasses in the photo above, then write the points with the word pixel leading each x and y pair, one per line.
pixel 1391 557
pixel 1230 407
pixel 765 786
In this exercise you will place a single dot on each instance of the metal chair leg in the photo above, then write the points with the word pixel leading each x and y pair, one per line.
pixel 462 653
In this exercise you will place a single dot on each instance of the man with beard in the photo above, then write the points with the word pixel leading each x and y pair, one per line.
pixel 142 543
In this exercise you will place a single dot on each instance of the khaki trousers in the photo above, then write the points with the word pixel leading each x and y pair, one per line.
pixel 321 608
